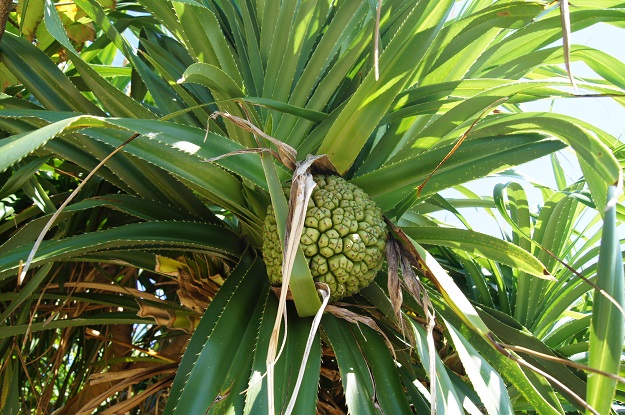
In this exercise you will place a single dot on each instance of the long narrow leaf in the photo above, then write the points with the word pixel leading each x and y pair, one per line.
pixel 42 77
pixel 171 235
pixel 286 368
pixel 490 387
pixel 383 371
pixel 217 373
pixel 607 330
pixel 391 184
pixel 367 106
pixel 355 374
pixel 535 389
pixel 113 100
pixel 481 245
pixel 91 320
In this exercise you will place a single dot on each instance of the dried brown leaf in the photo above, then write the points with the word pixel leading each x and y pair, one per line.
pixel 105 377
pixel 110 287
pixel 324 290
pixel 323 165
pixel 394 282
pixel 127 404
pixel 90 406
pixel 286 154
pixel 161 316
pixel 301 191
pixel 565 18
pixel 243 151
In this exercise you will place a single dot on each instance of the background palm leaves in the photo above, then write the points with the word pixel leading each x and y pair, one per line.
pixel 103 300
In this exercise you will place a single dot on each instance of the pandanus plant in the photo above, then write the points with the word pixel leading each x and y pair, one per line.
pixel 152 148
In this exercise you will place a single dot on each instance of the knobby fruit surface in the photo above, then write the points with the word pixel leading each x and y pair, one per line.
pixel 343 239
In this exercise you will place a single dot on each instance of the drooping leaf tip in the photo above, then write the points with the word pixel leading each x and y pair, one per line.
pixel 548 275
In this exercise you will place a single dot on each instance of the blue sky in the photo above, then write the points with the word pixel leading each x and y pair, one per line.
pixel 602 112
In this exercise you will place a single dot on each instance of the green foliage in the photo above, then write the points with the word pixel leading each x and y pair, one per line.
pixel 165 240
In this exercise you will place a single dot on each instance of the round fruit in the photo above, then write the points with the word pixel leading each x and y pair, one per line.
pixel 343 239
